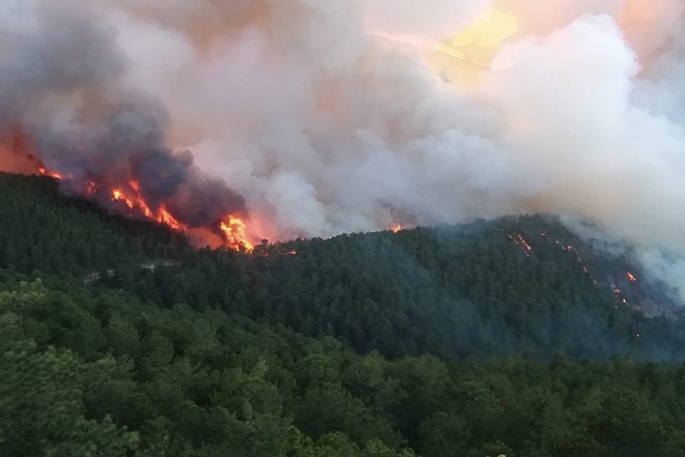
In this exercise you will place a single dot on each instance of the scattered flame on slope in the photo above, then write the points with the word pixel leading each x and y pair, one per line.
pixel 518 239
pixel 233 230
pixel 621 296
pixel 137 204
pixel 52 174
pixel 397 228
pixel 525 243
pixel 617 291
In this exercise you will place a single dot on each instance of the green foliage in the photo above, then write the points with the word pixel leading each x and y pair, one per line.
pixel 42 230
pixel 373 345
pixel 184 382
pixel 453 292
pixel 42 407
pixel 503 287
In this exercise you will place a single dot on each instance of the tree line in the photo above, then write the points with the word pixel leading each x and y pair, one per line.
pixel 476 340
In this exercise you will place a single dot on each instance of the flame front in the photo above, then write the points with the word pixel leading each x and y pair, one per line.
pixel 233 230
pixel 136 204
pixel 234 234
pixel 52 174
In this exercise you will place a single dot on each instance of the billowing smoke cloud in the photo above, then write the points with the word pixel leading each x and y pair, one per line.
pixel 436 18
pixel 331 116
pixel 61 86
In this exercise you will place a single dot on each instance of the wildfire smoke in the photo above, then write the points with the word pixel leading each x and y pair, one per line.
pixel 316 117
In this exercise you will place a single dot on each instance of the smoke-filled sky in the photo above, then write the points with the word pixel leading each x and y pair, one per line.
pixel 333 116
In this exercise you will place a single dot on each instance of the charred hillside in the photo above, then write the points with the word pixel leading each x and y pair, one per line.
pixel 512 285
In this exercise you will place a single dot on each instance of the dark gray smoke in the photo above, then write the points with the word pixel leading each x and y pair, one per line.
pixel 60 86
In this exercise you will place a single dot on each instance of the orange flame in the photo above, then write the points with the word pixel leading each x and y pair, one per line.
pixel 136 203
pixel 525 243
pixel 52 174
pixel 397 228
pixel 233 229
pixel 631 277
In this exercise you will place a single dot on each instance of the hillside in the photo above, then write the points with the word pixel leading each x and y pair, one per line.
pixel 450 341
pixel 45 230
pixel 488 288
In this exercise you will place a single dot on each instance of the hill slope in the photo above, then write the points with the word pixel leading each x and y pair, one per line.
pixel 167 361
pixel 454 292
pixel 487 288
pixel 42 229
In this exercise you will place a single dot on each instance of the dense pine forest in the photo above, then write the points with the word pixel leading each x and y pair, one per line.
pixel 511 337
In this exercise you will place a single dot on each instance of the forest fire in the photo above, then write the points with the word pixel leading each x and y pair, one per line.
pixel 234 234
pixel 397 228
pixel 525 243
pixel 518 239
pixel 231 229
pixel 138 205
pixel 631 277
pixel 52 174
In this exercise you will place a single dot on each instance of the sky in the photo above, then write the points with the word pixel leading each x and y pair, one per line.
pixel 328 116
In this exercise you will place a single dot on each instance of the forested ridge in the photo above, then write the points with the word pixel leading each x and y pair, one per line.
pixel 498 337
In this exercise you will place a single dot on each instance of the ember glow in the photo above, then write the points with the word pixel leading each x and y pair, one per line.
pixel 631 277
pixel 137 205
pixel 52 174
pixel 525 243
pixel 519 240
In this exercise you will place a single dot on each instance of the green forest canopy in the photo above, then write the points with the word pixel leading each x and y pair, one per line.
pixel 434 342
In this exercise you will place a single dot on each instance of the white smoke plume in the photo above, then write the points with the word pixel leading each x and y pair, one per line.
pixel 332 116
